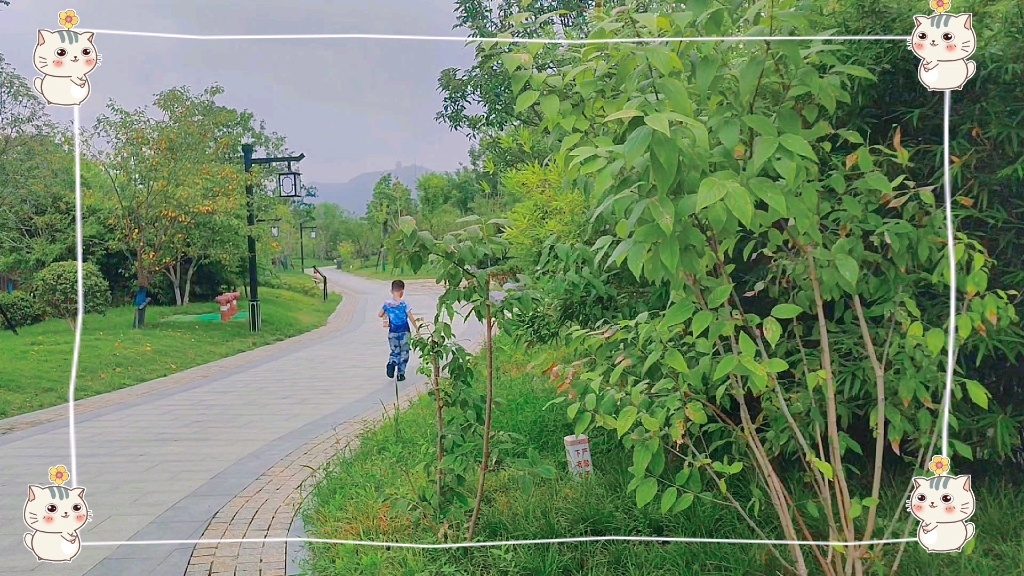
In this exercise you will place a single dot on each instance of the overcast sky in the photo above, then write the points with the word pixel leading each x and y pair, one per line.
pixel 351 106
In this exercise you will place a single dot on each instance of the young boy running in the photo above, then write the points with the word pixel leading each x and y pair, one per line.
pixel 398 318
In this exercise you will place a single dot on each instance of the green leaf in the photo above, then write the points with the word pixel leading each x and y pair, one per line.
pixel 624 113
pixel 668 499
pixel 798 145
pixel 677 96
pixel 978 393
pixel 647 19
pixel 625 420
pixel 583 422
pixel 770 192
pixel 935 340
pixel 785 311
pixel 776 365
pixel 646 491
pixel 825 468
pixel 676 361
pixel 737 199
pixel 695 411
pixel 659 122
pixel 772 330
pixel 519 80
pixel 870 502
pixel 719 295
pixel 712 190
pixel 637 143
pixel 726 366
pixel 679 312
pixel 549 105
pixel 685 501
pixel 526 99
pixel 701 321
pixel 763 125
pixel 764 147
pixel 848 268
pixel 546 471
pixel 855 510
pixel 747 346
pixel 572 410
pixel 963 326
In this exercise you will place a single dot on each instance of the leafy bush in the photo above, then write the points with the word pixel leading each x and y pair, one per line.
pixel 547 211
pixel 21 309
pixel 303 286
pixel 56 289
pixel 702 156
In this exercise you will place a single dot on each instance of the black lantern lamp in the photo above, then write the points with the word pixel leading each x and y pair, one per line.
pixel 289 183
pixel 312 234
pixel 275 231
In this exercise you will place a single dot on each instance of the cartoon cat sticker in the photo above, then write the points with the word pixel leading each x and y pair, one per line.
pixel 55 514
pixel 942 503
pixel 944 42
pixel 65 58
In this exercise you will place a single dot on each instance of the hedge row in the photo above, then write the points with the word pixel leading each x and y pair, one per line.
pixel 54 294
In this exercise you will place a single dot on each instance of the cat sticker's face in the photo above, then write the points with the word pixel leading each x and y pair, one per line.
pixel 65 53
pixel 942 499
pixel 56 509
pixel 943 37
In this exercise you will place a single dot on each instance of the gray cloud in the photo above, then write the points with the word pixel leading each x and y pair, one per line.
pixel 350 105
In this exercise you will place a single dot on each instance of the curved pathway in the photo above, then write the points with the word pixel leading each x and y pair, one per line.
pixel 219 451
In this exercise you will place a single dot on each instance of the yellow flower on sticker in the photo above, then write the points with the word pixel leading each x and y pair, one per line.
pixel 59 475
pixel 940 6
pixel 939 465
pixel 69 20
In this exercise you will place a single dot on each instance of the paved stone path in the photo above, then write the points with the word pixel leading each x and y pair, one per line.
pixel 161 460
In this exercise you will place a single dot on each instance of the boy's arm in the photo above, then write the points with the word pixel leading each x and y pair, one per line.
pixel 381 313
pixel 413 320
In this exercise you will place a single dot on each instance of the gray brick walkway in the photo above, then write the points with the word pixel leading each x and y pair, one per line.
pixel 159 460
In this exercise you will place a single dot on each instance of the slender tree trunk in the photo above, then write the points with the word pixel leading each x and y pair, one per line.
pixel 436 369
pixel 174 273
pixel 188 281
pixel 487 420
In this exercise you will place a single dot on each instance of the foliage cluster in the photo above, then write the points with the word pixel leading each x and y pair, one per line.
pixel 56 289
pixel 794 270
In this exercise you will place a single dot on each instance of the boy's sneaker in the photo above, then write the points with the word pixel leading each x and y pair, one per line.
pixel 401 377
pixel 391 370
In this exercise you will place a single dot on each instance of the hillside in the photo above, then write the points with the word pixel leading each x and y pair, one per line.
pixel 354 194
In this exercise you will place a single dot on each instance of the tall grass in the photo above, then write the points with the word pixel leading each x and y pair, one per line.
pixel 352 502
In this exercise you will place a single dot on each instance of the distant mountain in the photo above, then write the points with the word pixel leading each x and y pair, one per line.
pixel 356 193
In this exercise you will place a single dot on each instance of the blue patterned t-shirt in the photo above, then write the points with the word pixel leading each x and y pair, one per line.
pixel 398 315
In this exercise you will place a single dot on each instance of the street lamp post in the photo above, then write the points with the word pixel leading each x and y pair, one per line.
pixel 302 251
pixel 293 184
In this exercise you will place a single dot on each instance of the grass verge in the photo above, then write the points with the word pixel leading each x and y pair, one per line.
pixel 352 502
pixel 35 365
pixel 404 273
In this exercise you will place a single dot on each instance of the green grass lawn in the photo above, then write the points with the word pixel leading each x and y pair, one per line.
pixel 35 365
pixel 403 273
pixel 351 502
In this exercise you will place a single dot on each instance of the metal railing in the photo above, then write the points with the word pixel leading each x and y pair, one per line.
pixel 323 277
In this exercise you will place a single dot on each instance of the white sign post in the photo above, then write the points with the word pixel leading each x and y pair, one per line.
pixel 577 452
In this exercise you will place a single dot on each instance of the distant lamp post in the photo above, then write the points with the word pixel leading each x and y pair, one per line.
pixel 275 231
pixel 302 251
pixel 294 184
pixel 289 183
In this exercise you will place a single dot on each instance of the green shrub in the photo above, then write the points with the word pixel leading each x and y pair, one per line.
pixel 56 289
pixel 303 286
pixel 21 309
